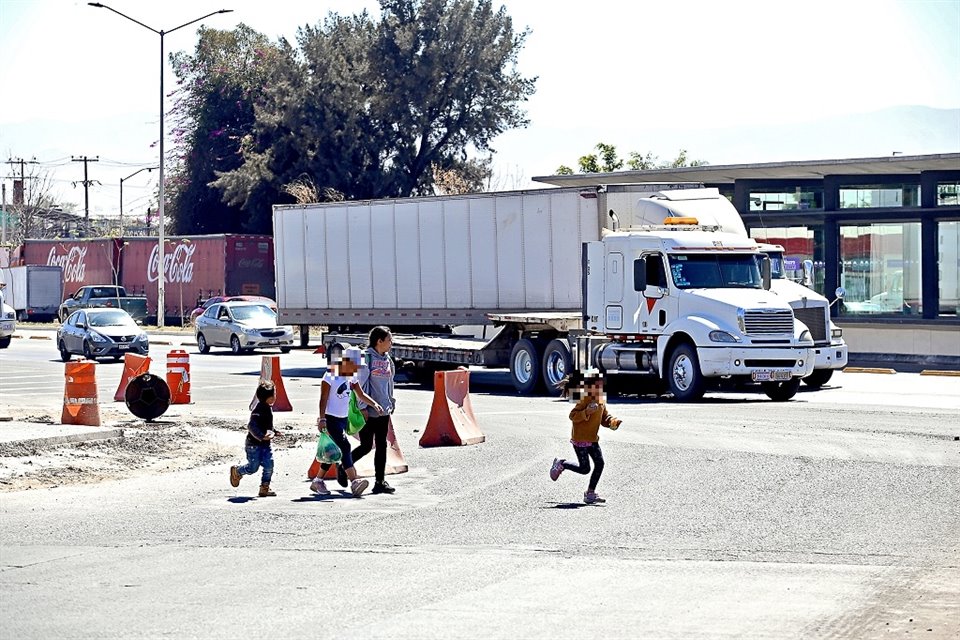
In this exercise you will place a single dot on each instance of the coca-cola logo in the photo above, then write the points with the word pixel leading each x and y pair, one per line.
pixel 177 264
pixel 250 263
pixel 73 263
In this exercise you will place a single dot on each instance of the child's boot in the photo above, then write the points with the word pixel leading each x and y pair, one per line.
pixel 234 476
pixel 265 491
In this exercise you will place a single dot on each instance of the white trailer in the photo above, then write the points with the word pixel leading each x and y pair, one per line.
pixel 34 291
pixel 522 260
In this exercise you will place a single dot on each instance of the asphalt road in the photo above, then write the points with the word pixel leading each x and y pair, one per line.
pixel 833 515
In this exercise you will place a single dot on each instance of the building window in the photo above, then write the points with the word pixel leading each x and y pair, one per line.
pixel 870 196
pixel 948 193
pixel 799 199
pixel 799 243
pixel 948 241
pixel 880 268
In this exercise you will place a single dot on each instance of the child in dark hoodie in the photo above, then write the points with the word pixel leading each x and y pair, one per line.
pixel 260 434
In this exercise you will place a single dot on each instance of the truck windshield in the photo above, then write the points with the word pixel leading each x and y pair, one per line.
pixel 715 271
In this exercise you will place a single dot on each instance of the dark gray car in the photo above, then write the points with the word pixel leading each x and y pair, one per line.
pixel 101 333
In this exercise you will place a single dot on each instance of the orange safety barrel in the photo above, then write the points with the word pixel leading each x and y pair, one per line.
pixel 81 404
pixel 133 366
pixel 178 376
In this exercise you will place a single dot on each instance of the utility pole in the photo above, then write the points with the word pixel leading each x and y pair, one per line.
pixel 18 191
pixel 86 188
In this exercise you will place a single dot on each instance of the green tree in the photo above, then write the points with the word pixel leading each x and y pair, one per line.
pixel 609 161
pixel 366 107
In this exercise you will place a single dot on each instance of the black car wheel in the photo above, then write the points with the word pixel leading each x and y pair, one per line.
pixel 64 354
pixel 87 353
pixel 202 343
pixel 235 345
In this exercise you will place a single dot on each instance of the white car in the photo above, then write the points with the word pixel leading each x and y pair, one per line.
pixel 8 321
pixel 241 326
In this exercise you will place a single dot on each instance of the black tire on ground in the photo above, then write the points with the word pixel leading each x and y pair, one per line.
pixel 87 353
pixel 818 378
pixel 64 354
pixel 202 344
pixel 284 349
pixel 525 367
pixel 5 342
pixel 235 345
pixel 555 366
pixel 684 379
pixel 781 391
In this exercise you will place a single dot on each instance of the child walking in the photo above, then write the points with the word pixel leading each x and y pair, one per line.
pixel 335 389
pixel 587 415
pixel 377 381
pixel 260 434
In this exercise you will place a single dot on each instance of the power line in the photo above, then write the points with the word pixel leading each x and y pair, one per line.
pixel 86 184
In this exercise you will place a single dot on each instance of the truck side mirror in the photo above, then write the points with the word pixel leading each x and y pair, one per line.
pixel 807 273
pixel 640 274
pixel 841 293
pixel 765 271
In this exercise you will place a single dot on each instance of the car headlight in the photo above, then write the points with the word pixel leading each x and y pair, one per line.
pixel 141 338
pixel 723 336
pixel 96 337
pixel 250 332
pixel 9 315
pixel 805 337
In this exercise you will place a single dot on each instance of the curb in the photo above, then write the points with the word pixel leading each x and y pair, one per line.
pixel 108 434
pixel 934 372
pixel 868 370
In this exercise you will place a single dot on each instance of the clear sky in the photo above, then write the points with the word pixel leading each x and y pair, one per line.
pixel 724 80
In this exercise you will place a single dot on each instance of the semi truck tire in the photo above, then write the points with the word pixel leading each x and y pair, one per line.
pixel 555 366
pixel 525 367
pixel 684 379
pixel 818 378
pixel 781 391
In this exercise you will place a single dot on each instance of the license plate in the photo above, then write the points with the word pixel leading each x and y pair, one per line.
pixel 123 346
pixel 769 376
pixel 274 341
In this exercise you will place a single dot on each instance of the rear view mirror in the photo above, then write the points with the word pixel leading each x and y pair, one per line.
pixel 841 293
pixel 807 273
pixel 640 274
pixel 654 292
pixel 765 271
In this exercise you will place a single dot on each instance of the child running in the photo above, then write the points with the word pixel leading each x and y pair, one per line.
pixel 335 388
pixel 260 433
pixel 587 415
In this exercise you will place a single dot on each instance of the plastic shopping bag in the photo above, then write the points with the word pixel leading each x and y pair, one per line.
pixel 354 416
pixel 327 449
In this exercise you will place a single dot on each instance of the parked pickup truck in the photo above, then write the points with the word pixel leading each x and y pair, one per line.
pixel 100 295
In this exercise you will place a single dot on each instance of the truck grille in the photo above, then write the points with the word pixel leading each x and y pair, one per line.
pixel 816 320
pixel 762 322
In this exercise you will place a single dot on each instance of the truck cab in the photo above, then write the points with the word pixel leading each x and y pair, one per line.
pixel 812 309
pixel 687 303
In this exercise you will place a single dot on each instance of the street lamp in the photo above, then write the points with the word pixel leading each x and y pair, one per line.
pixel 160 280
pixel 121 192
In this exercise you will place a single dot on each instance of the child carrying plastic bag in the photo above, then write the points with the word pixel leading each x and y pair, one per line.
pixel 327 450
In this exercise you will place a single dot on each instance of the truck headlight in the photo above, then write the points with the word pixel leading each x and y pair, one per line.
pixel 836 332
pixel 805 337
pixel 742 320
pixel 723 336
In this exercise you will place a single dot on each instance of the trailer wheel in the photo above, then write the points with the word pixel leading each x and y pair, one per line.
pixel 555 366
pixel 683 376
pixel 818 378
pixel 781 391
pixel 525 367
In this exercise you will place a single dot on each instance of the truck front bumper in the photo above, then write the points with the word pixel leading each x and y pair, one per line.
pixel 744 361
pixel 833 356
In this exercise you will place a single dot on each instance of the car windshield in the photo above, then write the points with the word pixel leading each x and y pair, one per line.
pixel 253 312
pixel 715 271
pixel 109 319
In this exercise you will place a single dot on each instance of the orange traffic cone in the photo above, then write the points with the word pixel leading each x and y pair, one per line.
pixel 451 421
pixel 270 371
pixel 80 402
pixel 133 366
pixel 178 376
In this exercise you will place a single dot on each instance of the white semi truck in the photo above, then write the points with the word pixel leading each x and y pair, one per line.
pixel 566 275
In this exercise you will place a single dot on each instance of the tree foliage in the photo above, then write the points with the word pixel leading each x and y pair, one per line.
pixel 360 108
pixel 606 160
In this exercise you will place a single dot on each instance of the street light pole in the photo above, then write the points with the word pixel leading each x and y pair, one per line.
pixel 161 221
pixel 121 192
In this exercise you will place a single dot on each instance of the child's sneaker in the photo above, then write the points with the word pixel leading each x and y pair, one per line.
pixel 318 486
pixel 234 476
pixel 265 491
pixel 556 469
pixel 591 497
pixel 358 486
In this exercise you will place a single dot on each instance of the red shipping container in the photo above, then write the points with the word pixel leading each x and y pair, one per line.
pixel 198 267
pixel 84 262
